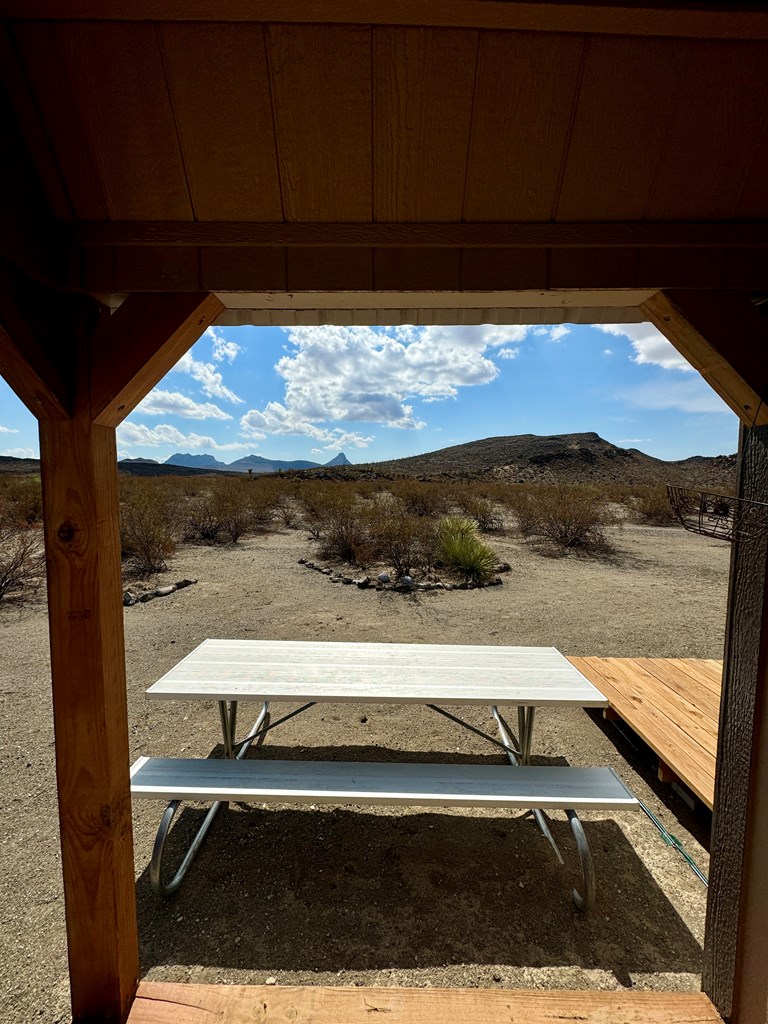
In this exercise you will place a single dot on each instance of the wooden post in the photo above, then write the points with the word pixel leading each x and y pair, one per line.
pixel 734 974
pixel 111 363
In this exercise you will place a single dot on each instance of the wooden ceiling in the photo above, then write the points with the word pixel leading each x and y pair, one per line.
pixel 268 157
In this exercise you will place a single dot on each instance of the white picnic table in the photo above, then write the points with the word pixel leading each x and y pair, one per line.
pixel 306 672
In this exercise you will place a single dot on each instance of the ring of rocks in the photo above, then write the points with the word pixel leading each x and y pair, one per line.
pixel 400 586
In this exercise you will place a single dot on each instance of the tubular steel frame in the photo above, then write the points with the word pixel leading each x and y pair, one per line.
pixel 517 749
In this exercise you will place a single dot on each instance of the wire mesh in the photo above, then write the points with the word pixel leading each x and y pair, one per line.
pixel 719 515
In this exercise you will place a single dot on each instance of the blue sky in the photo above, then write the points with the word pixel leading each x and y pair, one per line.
pixel 380 393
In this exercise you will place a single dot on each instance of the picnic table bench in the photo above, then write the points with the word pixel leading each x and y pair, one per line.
pixel 228 671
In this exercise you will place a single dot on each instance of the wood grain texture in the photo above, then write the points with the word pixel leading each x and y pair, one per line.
pixel 356 783
pixel 232 169
pixel 135 348
pixel 81 510
pixel 733 973
pixel 723 335
pixel 672 704
pixel 169 1003
pixel 321 91
pixel 423 86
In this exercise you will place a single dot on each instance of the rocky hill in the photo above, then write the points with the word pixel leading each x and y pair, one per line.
pixel 560 458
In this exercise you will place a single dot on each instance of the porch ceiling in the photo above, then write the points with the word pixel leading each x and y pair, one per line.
pixel 506 151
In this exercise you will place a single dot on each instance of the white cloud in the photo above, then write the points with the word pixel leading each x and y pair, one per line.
pixel 559 332
pixel 607 351
pixel 650 345
pixel 165 435
pixel 276 419
pixel 8 430
pixel 19 453
pixel 634 440
pixel 685 395
pixel 507 353
pixel 173 403
pixel 223 350
pixel 358 374
pixel 208 377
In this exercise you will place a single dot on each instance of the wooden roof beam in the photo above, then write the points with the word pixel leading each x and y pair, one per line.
pixel 695 21
pixel 725 337
pixel 481 235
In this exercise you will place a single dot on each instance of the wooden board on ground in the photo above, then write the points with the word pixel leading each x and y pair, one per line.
pixel 170 1003
pixel 673 704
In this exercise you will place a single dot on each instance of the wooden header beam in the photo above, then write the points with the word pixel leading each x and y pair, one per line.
pixel 725 337
pixel 694 21
pixel 632 235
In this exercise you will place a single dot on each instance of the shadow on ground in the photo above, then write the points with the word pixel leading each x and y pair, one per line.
pixel 331 890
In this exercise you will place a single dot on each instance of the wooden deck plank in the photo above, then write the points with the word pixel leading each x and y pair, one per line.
pixel 168 1003
pixel 672 704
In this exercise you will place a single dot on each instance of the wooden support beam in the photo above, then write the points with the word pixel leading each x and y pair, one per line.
pixel 725 337
pixel 82 540
pixel 634 235
pixel 734 974
pixel 698 21
pixel 139 344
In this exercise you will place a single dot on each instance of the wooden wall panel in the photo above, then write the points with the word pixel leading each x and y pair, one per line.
pixel 329 269
pixel 321 92
pixel 243 269
pixel 619 128
pixel 583 268
pixel 219 87
pixel 42 52
pixel 707 155
pixel 524 98
pixel 417 269
pixel 157 269
pixel 504 269
pixel 118 89
pixel 423 87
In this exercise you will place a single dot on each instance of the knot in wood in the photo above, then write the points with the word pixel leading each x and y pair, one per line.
pixel 66 532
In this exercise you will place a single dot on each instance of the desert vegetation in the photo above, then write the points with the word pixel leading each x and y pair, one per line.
pixel 411 528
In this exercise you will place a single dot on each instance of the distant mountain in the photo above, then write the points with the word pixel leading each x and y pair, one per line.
pixel 258 464
pixel 339 460
pixel 195 461
pixel 151 462
pixel 561 458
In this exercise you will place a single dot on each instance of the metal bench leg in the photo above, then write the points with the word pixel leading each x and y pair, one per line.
pixel 587 901
pixel 228 719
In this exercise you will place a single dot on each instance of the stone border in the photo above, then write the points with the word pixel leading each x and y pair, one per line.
pixel 367 583
pixel 131 597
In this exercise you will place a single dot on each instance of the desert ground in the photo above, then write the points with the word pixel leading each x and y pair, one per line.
pixel 379 896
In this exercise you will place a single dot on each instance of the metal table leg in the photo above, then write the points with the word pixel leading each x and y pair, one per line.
pixel 228 720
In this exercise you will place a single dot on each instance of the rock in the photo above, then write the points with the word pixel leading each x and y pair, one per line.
pixel 503 567
pixel 384 577
pixel 302 561
pixel 463 586
pixel 497 582
pixel 129 598
pixel 149 596
pixel 347 579
pixel 180 584
pixel 326 572
pixel 165 591
pixel 310 565
pixel 337 579
pixel 407 581
pixel 438 586
pixel 447 586
pixel 271 980
pixel 364 719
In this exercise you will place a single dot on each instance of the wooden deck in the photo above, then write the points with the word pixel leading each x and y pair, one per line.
pixel 673 704
pixel 162 1003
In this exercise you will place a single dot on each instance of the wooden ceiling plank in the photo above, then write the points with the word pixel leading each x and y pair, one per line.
pixel 135 347
pixel 423 88
pixel 119 88
pixel 618 127
pixel 504 268
pixel 725 337
pixel 321 89
pixel 712 20
pixel 522 111
pixel 156 269
pixel 45 61
pixel 233 174
pixel 395 269
pixel 329 269
pixel 251 269
pixel 706 158
pixel 483 235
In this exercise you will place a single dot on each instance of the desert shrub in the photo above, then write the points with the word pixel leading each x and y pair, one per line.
pixel 320 504
pixel 461 550
pixel 232 508
pixel 651 505
pixel 148 525
pixel 21 500
pixel 419 498
pixel 571 517
pixel 202 520
pixel 350 534
pixel 407 543
pixel 479 508
pixel 22 559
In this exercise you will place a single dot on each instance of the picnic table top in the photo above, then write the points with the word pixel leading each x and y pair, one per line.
pixel 298 670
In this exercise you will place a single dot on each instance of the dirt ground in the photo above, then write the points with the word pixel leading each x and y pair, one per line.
pixel 378 896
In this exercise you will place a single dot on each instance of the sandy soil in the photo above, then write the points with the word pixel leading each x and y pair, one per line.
pixel 381 896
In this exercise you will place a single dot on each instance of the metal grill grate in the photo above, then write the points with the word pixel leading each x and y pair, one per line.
pixel 719 515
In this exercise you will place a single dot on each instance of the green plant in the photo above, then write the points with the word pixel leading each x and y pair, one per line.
pixel 462 551
pixel 148 525
pixel 651 505
pixel 406 542
pixel 348 534
pixel 571 517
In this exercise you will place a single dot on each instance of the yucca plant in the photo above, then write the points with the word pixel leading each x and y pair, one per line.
pixel 460 549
